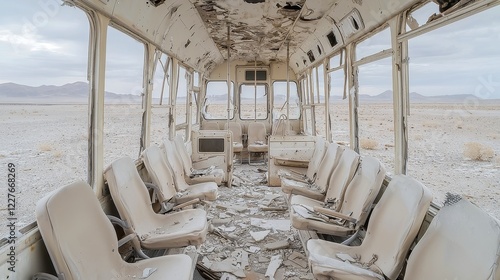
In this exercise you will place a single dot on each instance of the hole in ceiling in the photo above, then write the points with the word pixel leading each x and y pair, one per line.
pixel 187 43
pixel 275 49
pixel 355 23
pixel 332 39
pixel 288 6
pixel 254 1
pixel 319 49
pixel 296 63
pixel 157 3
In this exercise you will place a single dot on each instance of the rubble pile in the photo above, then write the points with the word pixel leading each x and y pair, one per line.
pixel 250 233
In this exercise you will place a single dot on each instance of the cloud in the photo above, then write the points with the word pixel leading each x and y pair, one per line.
pixel 27 42
pixel 47 44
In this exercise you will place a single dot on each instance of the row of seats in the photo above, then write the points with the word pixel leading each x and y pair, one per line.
pixel 257 136
pixel 462 241
pixel 338 198
pixel 77 205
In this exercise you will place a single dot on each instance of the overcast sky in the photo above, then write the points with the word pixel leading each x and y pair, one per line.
pixel 42 43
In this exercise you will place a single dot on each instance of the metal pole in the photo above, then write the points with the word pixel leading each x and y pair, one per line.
pixel 255 88
pixel 287 87
pixel 228 75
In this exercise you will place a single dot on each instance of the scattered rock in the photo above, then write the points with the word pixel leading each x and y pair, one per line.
pixel 282 244
pixel 273 266
pixel 259 235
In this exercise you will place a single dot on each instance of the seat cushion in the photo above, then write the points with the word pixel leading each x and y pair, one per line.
pixel 203 191
pixel 237 147
pixel 290 186
pixel 178 229
pixel 258 148
pixel 166 267
pixel 326 259
pixel 312 222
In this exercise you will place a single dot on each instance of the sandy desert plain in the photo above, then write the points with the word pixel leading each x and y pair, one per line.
pixel 48 145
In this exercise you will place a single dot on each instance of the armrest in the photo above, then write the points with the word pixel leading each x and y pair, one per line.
pixel 185 204
pixel 334 214
pixel 117 221
pixel 136 244
pixel 156 191
pixel 291 162
pixel 43 276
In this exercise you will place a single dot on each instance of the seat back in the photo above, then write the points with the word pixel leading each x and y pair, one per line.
pixel 130 195
pixel 363 189
pixel 256 132
pixel 210 126
pixel 159 172
pixel 235 128
pixel 328 164
pixel 175 164
pixel 342 176
pixel 183 154
pixel 317 156
pixel 462 242
pixel 80 240
pixel 394 224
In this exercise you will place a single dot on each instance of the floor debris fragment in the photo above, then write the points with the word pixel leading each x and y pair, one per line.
pixel 247 242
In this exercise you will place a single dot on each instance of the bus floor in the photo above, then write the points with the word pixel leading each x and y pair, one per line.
pixel 250 235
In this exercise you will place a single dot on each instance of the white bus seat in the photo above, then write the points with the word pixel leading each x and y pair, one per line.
pixel 156 231
pixel 393 226
pixel 318 188
pixel 198 175
pixel 462 242
pixel 161 176
pixel 257 139
pixel 320 147
pixel 356 205
pixel 237 133
pixel 203 191
pixel 82 243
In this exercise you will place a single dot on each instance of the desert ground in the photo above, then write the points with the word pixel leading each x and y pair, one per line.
pixel 451 148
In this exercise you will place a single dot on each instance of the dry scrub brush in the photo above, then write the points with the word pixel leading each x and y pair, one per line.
pixel 368 144
pixel 477 151
pixel 45 147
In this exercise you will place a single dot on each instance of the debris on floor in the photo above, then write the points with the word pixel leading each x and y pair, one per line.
pixel 250 233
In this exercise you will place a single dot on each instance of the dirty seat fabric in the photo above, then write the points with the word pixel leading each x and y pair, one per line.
pixel 356 203
pixel 317 189
pixel 203 191
pixel 95 256
pixel 393 226
pixel 156 231
pixel 462 242
pixel 203 175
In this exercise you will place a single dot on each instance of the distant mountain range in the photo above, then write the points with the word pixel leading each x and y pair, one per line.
pixel 78 93
pixel 69 93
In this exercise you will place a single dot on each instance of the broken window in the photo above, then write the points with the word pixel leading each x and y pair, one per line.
pixel 253 102
pixel 215 106
pixel 280 95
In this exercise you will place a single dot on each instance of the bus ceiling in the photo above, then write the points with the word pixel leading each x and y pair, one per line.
pixel 195 31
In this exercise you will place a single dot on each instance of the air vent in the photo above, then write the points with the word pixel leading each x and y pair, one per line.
pixel 250 75
pixel 351 24
pixel 310 54
pixel 332 39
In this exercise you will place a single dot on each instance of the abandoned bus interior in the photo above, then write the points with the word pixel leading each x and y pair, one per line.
pixel 260 144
